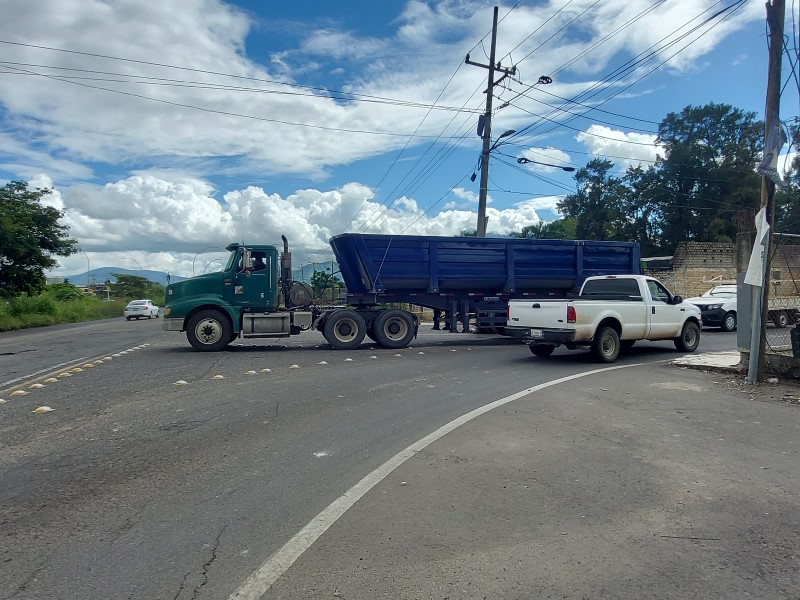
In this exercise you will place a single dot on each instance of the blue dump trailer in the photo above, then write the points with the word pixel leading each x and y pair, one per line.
pixel 466 278
pixel 461 279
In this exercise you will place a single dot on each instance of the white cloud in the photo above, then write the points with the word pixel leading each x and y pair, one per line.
pixel 627 148
pixel 88 123
pixel 164 224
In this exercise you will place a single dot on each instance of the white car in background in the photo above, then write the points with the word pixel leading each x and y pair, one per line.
pixel 138 309
pixel 717 307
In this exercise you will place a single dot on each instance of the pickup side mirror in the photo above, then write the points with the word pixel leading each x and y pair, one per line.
pixel 677 299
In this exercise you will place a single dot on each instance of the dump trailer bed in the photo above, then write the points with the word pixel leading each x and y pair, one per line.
pixel 465 277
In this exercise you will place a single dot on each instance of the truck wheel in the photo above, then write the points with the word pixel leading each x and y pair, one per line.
pixel 729 322
pixel 689 339
pixel 605 346
pixel 542 350
pixel 394 329
pixel 344 329
pixel 209 331
pixel 780 319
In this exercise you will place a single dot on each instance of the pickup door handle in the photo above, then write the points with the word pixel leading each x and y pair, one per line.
pixel 653 309
pixel 536 305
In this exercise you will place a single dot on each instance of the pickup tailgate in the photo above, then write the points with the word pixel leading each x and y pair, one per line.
pixel 527 317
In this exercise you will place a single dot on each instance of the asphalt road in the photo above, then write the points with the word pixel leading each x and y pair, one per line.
pixel 135 486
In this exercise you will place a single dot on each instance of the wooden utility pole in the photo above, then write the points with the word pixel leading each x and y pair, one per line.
pixel 776 13
pixel 487 124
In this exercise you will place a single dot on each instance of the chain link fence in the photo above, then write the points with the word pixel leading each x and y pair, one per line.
pixel 784 292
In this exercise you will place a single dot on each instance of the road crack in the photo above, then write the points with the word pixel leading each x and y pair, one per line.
pixel 208 564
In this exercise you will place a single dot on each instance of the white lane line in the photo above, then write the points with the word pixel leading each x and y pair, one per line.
pixel 69 362
pixel 255 586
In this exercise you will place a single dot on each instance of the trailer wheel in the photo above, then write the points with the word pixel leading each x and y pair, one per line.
pixel 542 350
pixel 780 319
pixel 344 329
pixel 689 339
pixel 605 346
pixel 209 331
pixel 394 329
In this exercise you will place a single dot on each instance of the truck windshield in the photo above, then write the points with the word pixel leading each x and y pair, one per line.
pixel 720 292
pixel 623 287
pixel 231 259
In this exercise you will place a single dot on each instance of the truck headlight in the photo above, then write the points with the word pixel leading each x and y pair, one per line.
pixel 167 311
pixel 714 306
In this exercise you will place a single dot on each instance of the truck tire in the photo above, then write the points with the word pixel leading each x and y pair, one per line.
pixel 344 329
pixel 542 350
pixel 689 339
pixel 780 319
pixel 394 329
pixel 729 321
pixel 209 331
pixel 605 347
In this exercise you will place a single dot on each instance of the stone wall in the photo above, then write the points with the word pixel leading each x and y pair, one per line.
pixel 697 267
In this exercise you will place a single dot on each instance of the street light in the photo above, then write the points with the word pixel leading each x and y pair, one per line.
pixel 502 135
pixel 212 261
pixel 88 266
pixel 199 253
pixel 525 161
pixel 134 260
pixel 140 268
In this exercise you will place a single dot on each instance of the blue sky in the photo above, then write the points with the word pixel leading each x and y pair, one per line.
pixel 167 131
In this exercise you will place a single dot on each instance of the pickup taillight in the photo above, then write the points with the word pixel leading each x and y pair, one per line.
pixel 571 318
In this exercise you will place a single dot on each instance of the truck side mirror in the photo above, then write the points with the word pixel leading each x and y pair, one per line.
pixel 677 299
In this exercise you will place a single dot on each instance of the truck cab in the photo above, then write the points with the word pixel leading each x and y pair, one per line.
pixel 244 298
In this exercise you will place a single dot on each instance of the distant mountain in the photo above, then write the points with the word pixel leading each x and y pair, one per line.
pixel 105 273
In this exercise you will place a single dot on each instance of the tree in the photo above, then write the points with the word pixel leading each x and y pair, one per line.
pixel 134 286
pixel 597 205
pixel 787 202
pixel 321 280
pixel 560 229
pixel 705 187
pixel 30 234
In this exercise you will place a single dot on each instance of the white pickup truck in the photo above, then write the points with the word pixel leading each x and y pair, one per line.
pixel 611 312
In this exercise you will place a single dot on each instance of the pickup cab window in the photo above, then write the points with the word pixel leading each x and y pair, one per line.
pixel 658 292
pixel 599 287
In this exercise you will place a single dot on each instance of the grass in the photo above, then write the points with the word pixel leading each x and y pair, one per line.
pixel 44 309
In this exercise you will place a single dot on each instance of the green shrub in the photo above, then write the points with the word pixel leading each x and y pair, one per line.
pixel 37 311
pixel 22 305
pixel 64 291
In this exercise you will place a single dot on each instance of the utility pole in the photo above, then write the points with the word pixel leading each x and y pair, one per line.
pixel 776 13
pixel 486 123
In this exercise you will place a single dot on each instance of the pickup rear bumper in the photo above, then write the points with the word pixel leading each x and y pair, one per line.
pixel 544 336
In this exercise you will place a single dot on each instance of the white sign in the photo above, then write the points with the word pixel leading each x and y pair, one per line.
pixel 755 268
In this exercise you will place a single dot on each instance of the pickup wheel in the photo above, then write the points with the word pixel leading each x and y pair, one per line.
pixel 605 347
pixel 689 339
pixel 394 329
pixel 209 331
pixel 542 350
pixel 729 321
pixel 344 329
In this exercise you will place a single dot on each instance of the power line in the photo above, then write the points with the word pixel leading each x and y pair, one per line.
pixel 167 82
pixel 229 113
